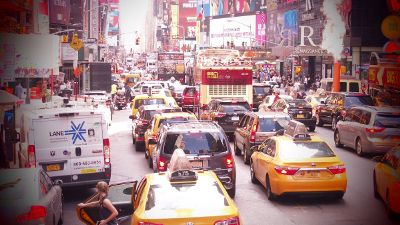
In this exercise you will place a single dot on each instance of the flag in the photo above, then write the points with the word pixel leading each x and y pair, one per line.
pixel 201 13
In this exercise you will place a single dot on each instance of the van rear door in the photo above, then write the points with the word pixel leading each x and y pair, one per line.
pixel 70 146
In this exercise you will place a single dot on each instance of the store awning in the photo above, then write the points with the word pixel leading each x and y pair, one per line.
pixel 9 99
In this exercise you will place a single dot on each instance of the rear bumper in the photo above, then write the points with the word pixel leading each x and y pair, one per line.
pixel 371 146
pixel 84 179
pixel 308 122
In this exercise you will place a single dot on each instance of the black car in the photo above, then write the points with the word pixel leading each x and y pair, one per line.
pixel 336 105
pixel 226 112
pixel 260 91
pixel 298 109
pixel 204 143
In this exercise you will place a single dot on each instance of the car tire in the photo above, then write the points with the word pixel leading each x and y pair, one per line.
pixel 139 147
pixel 252 174
pixel 339 196
pixel 236 149
pixel 336 138
pixel 232 191
pixel 334 121
pixel 359 150
pixel 150 161
pixel 246 156
pixel 271 196
pixel 133 139
pixel 376 193
pixel 119 108
pixel 319 122
pixel 311 128
pixel 146 156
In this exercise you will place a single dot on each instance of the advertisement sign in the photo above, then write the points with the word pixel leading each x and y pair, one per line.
pixel 68 53
pixel 214 76
pixel 94 19
pixel 282 28
pixel 388 77
pixel 203 9
pixel 240 30
pixel 113 20
pixel 174 20
pixel 60 11
pixel 260 28
pixel 187 18
pixel 224 7
pixel 171 63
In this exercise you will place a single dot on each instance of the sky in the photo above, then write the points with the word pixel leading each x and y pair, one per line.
pixel 132 18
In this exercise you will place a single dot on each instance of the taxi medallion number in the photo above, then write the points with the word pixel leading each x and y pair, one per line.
pixel 53 167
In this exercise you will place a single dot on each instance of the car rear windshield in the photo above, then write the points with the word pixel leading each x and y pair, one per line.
pixel 244 104
pixel 387 121
pixel 233 108
pixel 290 150
pixel 166 198
pixel 261 90
pixel 272 124
pixel 196 143
pixel 358 100
pixel 298 103
pixel 150 101
pixel 148 114
pixel 176 119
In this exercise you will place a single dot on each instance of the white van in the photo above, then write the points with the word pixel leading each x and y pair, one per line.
pixel 70 143
pixel 347 84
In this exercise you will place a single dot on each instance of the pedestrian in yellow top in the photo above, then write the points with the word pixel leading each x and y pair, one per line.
pixel 113 90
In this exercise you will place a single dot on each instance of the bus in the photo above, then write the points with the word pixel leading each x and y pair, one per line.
pixel 222 74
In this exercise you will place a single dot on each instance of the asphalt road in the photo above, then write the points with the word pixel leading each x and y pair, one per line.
pixel 357 207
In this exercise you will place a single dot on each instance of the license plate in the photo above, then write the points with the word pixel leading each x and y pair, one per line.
pixel 235 118
pixel 309 174
pixel 197 164
pixel 88 170
pixel 53 167
pixel 301 116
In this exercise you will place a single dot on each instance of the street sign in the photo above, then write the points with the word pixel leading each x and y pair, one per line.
pixel 90 41
pixel 76 43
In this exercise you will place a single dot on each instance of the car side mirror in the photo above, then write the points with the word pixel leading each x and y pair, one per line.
pixel 152 141
pixel 377 158
pixel 131 117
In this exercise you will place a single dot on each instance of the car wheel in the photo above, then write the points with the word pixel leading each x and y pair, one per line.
pixel 359 149
pixel 146 152
pixel 339 196
pixel 133 139
pixel 150 162
pixel 336 138
pixel 236 149
pixel 376 193
pixel 139 147
pixel 232 191
pixel 246 156
pixel 311 129
pixel 334 121
pixel 252 174
pixel 319 123
pixel 119 108
pixel 271 196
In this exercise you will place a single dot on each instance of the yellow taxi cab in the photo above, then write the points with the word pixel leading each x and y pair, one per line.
pixel 297 163
pixel 387 180
pixel 131 79
pixel 151 134
pixel 180 196
pixel 145 99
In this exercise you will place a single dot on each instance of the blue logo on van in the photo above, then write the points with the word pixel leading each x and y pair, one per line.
pixel 77 132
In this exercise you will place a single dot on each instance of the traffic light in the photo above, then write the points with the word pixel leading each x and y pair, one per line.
pixel 232 44
pixel 137 40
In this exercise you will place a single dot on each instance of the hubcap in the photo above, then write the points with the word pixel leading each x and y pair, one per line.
pixel 337 138
pixel 333 123
pixel 359 150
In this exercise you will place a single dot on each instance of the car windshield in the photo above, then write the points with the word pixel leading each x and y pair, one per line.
pixel 261 90
pixel 358 100
pixel 290 150
pixel 272 124
pixel 243 104
pixel 196 143
pixel 149 101
pixel 298 103
pixel 233 108
pixel 387 121
pixel 204 195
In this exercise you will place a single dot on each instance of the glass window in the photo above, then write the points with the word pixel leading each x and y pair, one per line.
pixel 272 124
pixel 304 150
pixel 343 86
pixel 261 90
pixel 243 121
pixel 176 119
pixel 366 117
pixel 329 86
pixel 354 87
pixel 358 101
pixel 196 143
pixel 270 148
pixel 232 108
pixel 387 120
pixel 243 104
pixel 357 114
pixel 167 198
pixel 150 101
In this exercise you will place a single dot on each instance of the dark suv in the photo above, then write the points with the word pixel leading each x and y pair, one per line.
pixel 141 123
pixel 260 91
pixel 227 113
pixel 205 145
pixel 298 109
pixel 335 106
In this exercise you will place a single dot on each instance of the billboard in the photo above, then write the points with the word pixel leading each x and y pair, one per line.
pixel 174 21
pixel 241 30
pixel 113 20
pixel 187 18
pixel 260 28
pixel 60 11
pixel 224 7
pixel 203 8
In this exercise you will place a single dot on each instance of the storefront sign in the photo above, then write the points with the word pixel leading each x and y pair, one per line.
pixel 94 19
pixel 372 75
pixel 307 16
pixel 391 78
pixel 309 51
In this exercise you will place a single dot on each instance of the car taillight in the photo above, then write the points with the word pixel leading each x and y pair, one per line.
pixel 374 130
pixel 220 114
pixel 36 212
pixel 229 162
pixel 253 132
pixel 162 164
pixel 149 223
pixel 106 151
pixel 285 170
pixel 231 221
pixel 31 156
pixel 337 169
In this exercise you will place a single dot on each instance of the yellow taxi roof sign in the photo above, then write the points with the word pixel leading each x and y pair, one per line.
pixel 180 168
pixel 297 130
